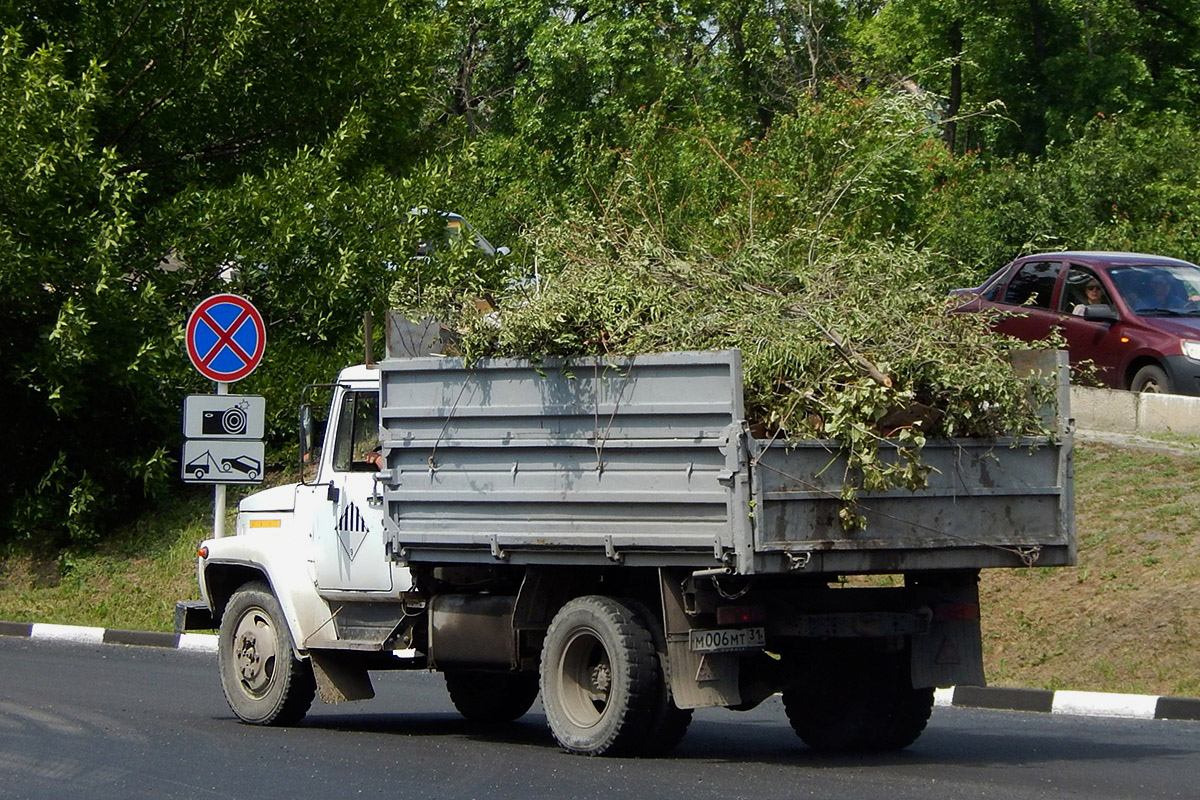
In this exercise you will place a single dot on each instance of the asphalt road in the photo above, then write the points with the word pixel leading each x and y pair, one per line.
pixel 131 722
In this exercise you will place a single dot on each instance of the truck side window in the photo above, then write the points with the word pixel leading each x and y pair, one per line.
pixel 357 432
pixel 1033 284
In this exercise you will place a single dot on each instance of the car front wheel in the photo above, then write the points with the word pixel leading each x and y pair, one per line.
pixel 1151 379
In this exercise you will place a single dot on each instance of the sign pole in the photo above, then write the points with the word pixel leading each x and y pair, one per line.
pixel 219 489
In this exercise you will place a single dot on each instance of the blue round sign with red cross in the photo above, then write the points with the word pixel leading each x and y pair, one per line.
pixel 226 338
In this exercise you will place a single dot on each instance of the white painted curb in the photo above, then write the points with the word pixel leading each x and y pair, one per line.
pixel 198 642
pixel 1103 704
pixel 67 633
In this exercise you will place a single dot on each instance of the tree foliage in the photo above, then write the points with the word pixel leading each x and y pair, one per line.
pixel 155 151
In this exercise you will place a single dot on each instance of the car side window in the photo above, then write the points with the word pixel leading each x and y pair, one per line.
pixel 357 432
pixel 1075 290
pixel 1033 284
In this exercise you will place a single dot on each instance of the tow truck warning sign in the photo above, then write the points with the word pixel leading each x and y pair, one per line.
pixel 222 461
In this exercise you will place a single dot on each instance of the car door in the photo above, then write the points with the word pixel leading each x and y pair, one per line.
pixel 1029 295
pixel 1090 341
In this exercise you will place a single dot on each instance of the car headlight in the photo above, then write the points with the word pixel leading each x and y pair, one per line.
pixel 1191 349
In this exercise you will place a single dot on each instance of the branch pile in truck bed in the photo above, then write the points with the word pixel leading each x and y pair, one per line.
pixel 850 345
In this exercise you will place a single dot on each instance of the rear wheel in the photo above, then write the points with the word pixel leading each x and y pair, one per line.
pixel 264 682
pixel 862 705
pixel 671 723
pixel 602 686
pixel 492 697
pixel 1151 379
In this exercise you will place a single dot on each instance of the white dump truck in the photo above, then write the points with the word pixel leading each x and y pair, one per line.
pixel 610 535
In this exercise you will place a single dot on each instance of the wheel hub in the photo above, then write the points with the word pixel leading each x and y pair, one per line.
pixel 601 678
pixel 587 677
pixel 248 659
pixel 254 651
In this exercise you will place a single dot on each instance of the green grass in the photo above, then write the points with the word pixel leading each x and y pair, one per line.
pixel 1125 619
pixel 132 581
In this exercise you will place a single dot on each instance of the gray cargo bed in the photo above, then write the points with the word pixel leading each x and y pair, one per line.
pixel 648 462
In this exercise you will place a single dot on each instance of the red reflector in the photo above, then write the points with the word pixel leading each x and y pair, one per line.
pixel 948 612
pixel 740 615
pixel 202 552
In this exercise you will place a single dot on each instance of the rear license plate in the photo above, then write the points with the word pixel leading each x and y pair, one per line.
pixel 727 640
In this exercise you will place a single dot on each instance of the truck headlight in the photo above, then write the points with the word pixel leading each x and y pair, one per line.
pixel 1191 349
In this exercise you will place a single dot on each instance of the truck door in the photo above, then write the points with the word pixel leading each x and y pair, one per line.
pixel 348 519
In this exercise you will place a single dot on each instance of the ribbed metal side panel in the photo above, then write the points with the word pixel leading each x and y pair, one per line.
pixel 585 460
pixel 985 496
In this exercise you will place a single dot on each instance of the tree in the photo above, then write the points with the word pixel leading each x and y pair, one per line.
pixel 80 325
pixel 122 122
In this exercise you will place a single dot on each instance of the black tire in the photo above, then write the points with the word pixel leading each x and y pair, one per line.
pixel 602 687
pixel 867 705
pixel 491 697
pixel 1152 380
pixel 672 722
pixel 198 474
pixel 264 682
pixel 907 720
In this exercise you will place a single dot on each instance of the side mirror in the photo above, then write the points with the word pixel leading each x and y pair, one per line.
pixel 306 433
pixel 1101 312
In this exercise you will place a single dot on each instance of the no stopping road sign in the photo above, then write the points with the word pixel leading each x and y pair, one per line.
pixel 226 338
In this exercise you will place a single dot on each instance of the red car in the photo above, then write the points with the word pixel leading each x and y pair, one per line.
pixel 1135 317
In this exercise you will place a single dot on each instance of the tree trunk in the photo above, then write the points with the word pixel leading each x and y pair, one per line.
pixel 954 100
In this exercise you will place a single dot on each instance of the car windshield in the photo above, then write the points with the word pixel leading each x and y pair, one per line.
pixel 1159 290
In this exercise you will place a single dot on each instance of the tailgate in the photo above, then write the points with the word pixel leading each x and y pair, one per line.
pixel 988 504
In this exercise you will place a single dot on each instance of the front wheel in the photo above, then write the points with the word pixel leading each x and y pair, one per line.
pixel 602 686
pixel 1151 379
pixel 264 682
pixel 492 697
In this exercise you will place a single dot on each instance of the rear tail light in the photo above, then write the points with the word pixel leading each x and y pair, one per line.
pixel 955 612
pixel 740 615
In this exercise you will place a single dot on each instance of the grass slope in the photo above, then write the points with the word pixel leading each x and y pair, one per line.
pixel 1126 619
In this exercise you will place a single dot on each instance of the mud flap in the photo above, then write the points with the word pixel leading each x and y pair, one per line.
pixel 951 653
pixel 697 680
pixel 339 681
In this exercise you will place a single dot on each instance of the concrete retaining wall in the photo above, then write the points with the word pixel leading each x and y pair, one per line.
pixel 1117 411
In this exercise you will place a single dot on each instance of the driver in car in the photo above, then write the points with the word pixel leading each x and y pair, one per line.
pixel 1093 294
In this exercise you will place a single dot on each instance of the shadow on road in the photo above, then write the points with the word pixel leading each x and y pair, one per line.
pixel 771 741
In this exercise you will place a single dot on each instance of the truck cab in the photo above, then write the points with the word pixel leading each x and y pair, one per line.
pixel 325 530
